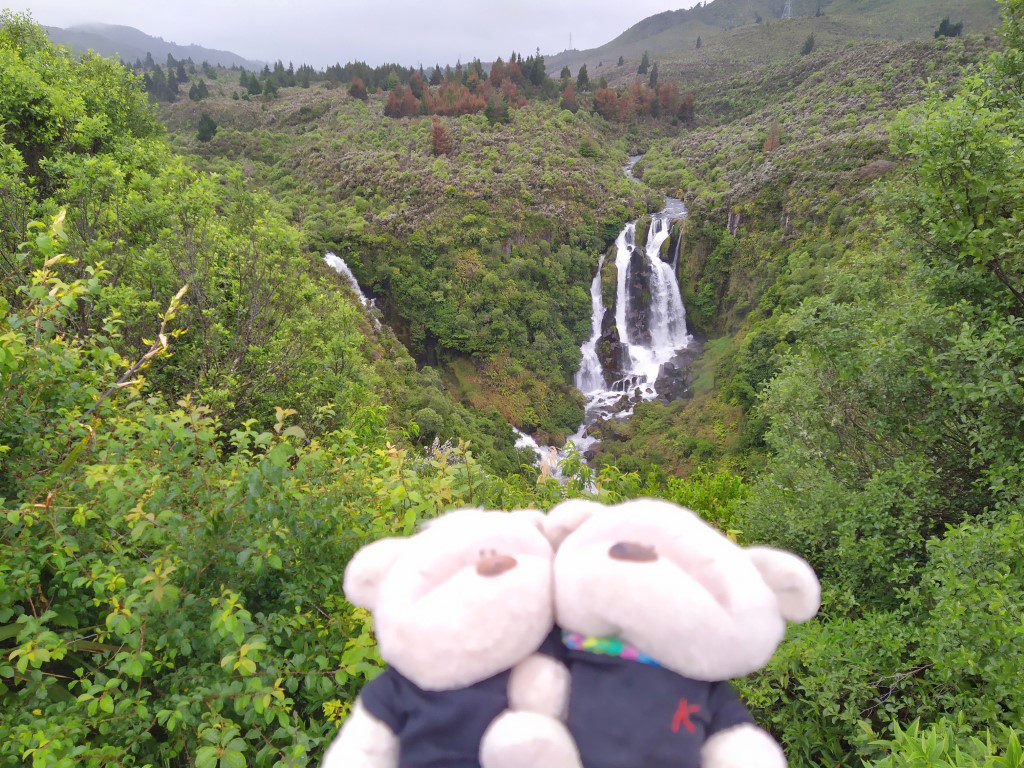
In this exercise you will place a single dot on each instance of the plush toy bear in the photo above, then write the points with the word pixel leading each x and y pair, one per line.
pixel 659 611
pixel 460 611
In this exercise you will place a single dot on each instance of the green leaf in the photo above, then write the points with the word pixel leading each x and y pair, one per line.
pixel 279 454
pixel 206 757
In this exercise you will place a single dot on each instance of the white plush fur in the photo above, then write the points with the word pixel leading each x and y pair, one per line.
pixel 792 581
pixel 441 622
pixel 528 740
pixel 745 746
pixel 705 607
pixel 364 742
pixel 540 684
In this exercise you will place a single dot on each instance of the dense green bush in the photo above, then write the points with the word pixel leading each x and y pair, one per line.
pixel 171 589
pixel 895 427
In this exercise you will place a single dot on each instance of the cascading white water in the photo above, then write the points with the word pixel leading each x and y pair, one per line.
pixel 338 264
pixel 547 457
pixel 590 377
pixel 666 320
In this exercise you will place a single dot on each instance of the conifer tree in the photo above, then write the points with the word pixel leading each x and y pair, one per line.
pixel 700 42
pixel 207 128
pixel 440 141
pixel 949 29
pixel 645 64
pixel 497 110
pixel 622 60
pixel 566 74
pixel 357 89
pixel 199 91
pixel 569 100
pixel 583 79
pixel 686 108
pixel 653 80
pixel 435 75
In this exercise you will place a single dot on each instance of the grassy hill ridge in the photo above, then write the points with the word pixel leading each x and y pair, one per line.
pixel 725 27
pixel 131 44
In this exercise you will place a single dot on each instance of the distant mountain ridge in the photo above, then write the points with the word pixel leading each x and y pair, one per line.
pixel 674 31
pixel 130 44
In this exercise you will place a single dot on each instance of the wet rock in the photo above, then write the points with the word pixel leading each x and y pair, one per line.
pixel 638 304
pixel 676 376
pixel 643 228
pixel 612 353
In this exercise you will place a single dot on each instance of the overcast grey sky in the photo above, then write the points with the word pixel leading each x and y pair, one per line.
pixel 324 31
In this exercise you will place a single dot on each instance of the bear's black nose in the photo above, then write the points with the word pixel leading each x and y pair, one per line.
pixel 633 552
pixel 495 565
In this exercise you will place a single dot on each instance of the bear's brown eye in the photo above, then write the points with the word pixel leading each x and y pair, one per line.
pixel 633 552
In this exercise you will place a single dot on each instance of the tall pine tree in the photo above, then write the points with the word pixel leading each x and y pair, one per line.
pixel 583 79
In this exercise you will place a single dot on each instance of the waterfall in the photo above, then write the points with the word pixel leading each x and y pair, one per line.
pixel 642 358
pixel 590 377
pixel 666 317
pixel 338 264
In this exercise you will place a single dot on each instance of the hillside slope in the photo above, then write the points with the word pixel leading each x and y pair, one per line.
pixel 480 258
pixel 728 26
pixel 131 44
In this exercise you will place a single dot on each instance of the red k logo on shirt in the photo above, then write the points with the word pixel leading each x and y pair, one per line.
pixel 682 717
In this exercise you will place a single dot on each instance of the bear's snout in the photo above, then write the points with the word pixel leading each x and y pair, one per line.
pixel 495 565
pixel 633 552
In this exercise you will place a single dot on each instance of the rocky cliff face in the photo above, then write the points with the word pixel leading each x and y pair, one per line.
pixel 610 351
pixel 638 281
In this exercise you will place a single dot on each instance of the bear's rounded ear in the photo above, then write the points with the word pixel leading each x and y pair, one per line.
pixel 367 570
pixel 566 517
pixel 533 517
pixel 791 579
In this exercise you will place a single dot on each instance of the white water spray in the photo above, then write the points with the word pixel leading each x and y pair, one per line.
pixel 338 264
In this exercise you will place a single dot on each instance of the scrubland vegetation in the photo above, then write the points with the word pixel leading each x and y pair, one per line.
pixel 199 424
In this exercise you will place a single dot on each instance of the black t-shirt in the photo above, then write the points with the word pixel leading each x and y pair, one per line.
pixel 436 729
pixel 440 729
pixel 625 714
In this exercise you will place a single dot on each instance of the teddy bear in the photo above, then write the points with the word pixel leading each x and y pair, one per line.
pixel 659 610
pixel 463 616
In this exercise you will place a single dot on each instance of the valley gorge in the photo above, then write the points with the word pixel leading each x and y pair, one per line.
pixel 763 262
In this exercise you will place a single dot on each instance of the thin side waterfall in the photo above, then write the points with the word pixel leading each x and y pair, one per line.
pixel 338 264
